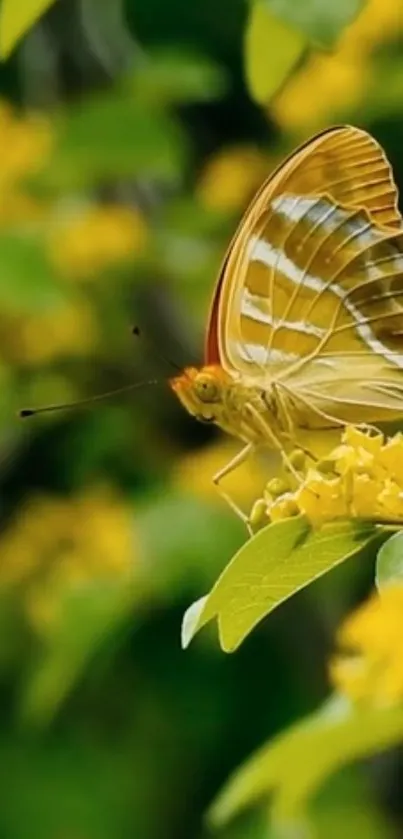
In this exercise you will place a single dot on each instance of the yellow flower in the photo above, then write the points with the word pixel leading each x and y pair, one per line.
pixel 258 514
pixel 25 144
pixel 390 500
pixel 378 22
pixel 346 457
pixel 370 666
pixel 364 495
pixel 328 85
pixel 320 498
pixel 35 339
pixel 231 177
pixel 360 439
pixel 325 86
pixel 359 452
pixel 283 508
pixel 391 456
pixel 96 238
pixel 194 474
pixel 362 477
pixel 18 208
pixel 276 487
pixel 56 545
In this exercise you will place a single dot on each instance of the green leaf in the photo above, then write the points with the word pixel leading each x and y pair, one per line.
pixel 320 21
pixel 170 77
pixel 16 18
pixel 110 135
pixel 26 279
pixel 272 49
pixel 277 562
pixel 389 563
pixel 297 762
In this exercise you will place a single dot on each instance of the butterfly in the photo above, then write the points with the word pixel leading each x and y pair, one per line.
pixel 306 325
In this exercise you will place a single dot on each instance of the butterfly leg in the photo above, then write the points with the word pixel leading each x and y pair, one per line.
pixel 273 440
pixel 290 434
pixel 226 470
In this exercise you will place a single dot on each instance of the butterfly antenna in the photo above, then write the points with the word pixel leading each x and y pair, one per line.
pixel 178 369
pixel 46 409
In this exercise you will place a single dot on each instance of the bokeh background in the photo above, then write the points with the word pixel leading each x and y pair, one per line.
pixel 130 144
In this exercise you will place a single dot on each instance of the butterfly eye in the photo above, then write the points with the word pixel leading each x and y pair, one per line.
pixel 207 389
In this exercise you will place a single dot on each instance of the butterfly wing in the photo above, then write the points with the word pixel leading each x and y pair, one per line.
pixel 332 327
pixel 348 166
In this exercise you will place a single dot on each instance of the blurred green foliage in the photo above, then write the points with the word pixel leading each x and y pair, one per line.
pixel 321 23
pixel 322 742
pixel 16 20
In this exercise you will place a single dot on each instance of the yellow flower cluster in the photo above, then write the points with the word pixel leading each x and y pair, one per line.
pixel 69 329
pixel 370 667
pixel 362 478
pixel 85 243
pixel 231 177
pixel 25 145
pixel 340 79
pixel 56 545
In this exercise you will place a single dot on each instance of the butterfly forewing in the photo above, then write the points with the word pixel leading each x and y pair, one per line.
pixel 314 279
pixel 348 165
pixel 298 291
pixel 344 162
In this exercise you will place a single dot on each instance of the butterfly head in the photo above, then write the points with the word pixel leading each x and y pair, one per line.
pixel 203 391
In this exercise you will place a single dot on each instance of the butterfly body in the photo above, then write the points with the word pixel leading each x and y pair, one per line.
pixel 306 325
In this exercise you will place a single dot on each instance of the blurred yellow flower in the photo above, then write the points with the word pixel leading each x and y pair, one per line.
pixel 35 339
pixel 370 665
pixel 359 478
pixel 230 178
pixel 93 239
pixel 18 208
pixel 325 85
pixel 55 545
pixel 330 84
pixel 378 22
pixel 194 474
pixel 25 144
